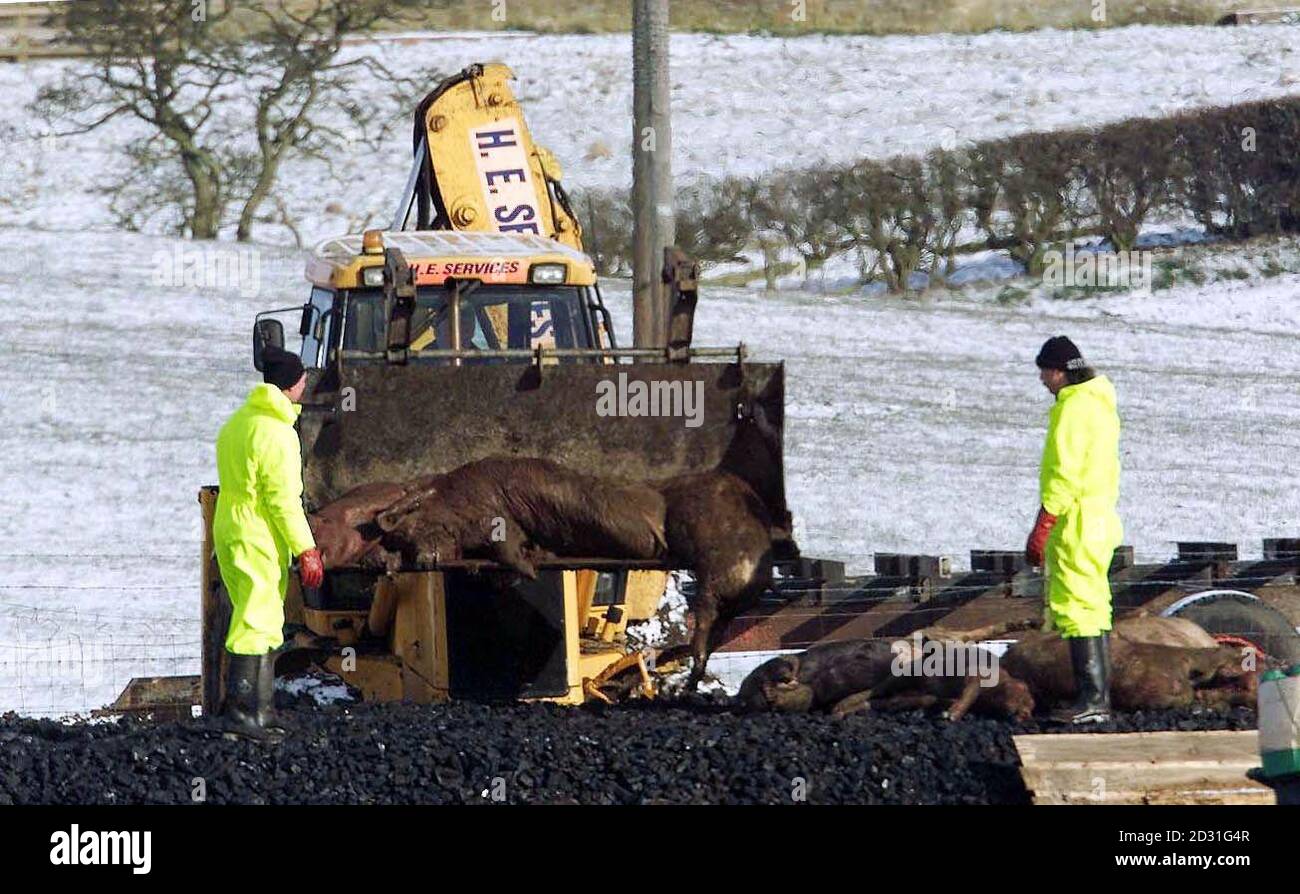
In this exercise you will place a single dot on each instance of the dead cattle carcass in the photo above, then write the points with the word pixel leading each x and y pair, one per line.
pixel 517 512
pixel 1157 663
pixel 1145 675
pixel 850 676
pixel 817 678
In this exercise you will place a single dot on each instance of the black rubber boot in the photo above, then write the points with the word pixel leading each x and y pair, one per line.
pixel 1090 660
pixel 241 713
pixel 1105 668
pixel 267 717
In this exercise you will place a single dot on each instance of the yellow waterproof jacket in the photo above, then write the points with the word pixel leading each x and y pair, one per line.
pixel 1079 483
pixel 259 524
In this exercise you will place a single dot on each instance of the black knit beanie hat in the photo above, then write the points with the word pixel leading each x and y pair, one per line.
pixel 1060 353
pixel 280 368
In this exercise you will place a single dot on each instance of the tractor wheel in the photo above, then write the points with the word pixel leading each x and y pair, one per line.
pixel 1232 616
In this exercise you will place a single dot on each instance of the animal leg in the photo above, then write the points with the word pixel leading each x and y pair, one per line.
pixel 963 703
pixel 706 616
pixel 392 516
pixel 852 704
pixel 711 620
pixel 512 553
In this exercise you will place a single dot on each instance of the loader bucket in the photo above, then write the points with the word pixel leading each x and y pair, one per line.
pixel 370 422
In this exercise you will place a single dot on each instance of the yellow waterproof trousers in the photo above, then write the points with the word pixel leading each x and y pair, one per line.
pixel 1078 557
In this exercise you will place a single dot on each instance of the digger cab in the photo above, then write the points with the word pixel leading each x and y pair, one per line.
pixel 501 293
pixel 491 240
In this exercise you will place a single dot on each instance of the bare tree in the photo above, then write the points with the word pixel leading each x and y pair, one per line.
pixel 229 90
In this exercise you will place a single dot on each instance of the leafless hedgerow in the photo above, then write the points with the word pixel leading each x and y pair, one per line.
pixel 1038 186
pixel 606 218
pixel 1126 169
pixel 1236 170
pixel 713 220
pixel 799 206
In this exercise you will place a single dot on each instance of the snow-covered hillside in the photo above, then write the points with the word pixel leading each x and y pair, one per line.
pixel 742 105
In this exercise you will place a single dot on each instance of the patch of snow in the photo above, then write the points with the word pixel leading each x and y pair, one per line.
pixel 327 689
pixel 729 669
pixel 912 425
pixel 668 625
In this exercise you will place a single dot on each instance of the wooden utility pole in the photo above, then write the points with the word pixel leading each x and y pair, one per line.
pixel 652 171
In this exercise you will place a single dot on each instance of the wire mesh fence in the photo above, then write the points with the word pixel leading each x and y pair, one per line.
pixel 69 645
pixel 68 674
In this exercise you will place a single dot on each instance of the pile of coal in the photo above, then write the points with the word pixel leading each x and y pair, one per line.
pixel 691 751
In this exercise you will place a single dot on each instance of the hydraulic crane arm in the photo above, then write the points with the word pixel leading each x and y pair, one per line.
pixel 476 167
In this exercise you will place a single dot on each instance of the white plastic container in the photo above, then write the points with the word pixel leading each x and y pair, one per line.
pixel 1279 722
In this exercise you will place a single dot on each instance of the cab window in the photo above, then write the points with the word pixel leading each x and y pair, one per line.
pixel 491 318
pixel 321 301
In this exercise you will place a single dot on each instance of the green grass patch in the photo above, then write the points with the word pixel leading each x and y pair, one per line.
pixel 1012 295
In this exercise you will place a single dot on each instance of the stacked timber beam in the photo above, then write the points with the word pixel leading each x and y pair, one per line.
pixel 1288 15
pixel 910 592
pixel 1204 767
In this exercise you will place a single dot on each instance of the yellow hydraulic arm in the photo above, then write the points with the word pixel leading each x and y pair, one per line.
pixel 477 167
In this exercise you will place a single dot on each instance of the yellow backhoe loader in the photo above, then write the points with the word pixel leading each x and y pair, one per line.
pixel 474 327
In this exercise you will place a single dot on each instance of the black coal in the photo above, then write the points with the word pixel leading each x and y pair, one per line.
pixel 660 752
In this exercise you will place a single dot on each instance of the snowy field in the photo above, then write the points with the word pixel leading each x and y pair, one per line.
pixel 742 105
pixel 912 425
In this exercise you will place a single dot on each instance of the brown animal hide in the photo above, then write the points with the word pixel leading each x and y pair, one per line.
pixel 515 511
pixel 719 527
pixel 956 694
pixel 818 677
pixel 1164 632
pixel 1144 675
pixel 1000 695
pixel 868 674
pixel 1156 676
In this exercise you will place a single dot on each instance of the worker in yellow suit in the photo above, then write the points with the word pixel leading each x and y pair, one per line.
pixel 259 526
pixel 1077 529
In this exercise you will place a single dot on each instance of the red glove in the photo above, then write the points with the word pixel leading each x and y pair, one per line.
pixel 311 569
pixel 1038 537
